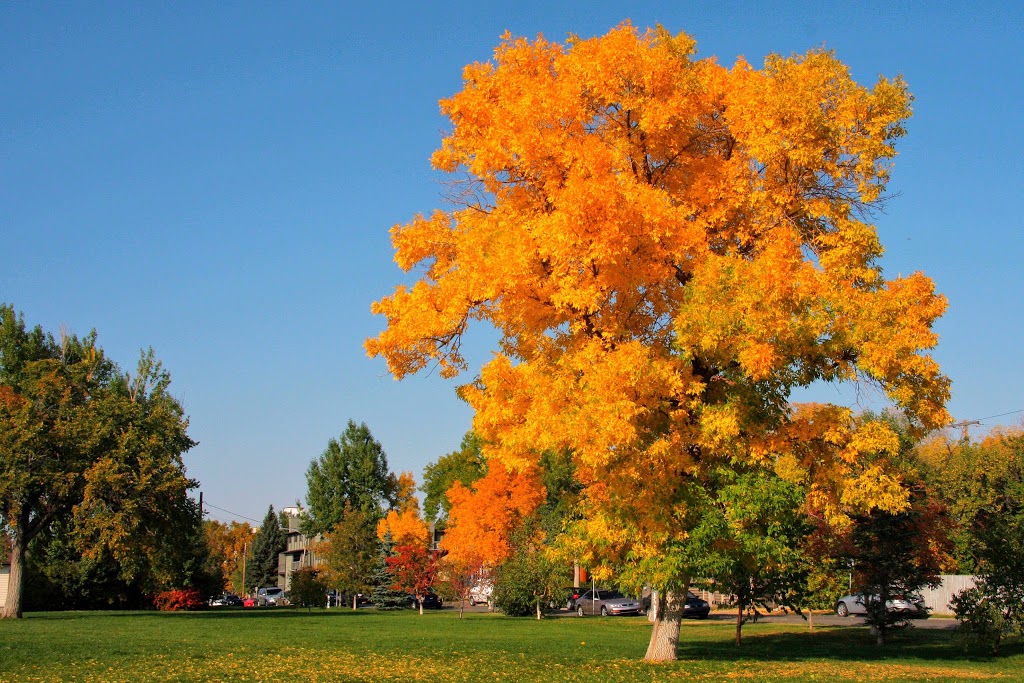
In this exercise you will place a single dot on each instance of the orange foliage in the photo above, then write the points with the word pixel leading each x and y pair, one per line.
pixel 405 493
pixel 406 527
pixel 483 518
pixel 668 247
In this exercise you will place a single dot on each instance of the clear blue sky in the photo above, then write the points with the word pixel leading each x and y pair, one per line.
pixel 217 180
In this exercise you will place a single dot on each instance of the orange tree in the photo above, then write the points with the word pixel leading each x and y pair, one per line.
pixel 668 247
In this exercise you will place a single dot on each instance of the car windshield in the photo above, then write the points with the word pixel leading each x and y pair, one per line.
pixel 608 595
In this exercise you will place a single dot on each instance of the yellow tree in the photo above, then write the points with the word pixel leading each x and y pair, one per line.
pixel 404 522
pixel 229 544
pixel 668 247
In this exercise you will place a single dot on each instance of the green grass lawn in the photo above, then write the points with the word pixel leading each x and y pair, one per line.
pixel 339 645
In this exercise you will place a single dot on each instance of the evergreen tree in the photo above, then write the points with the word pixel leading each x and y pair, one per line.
pixel 269 542
pixel 385 597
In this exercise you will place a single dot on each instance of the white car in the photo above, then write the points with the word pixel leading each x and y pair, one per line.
pixel 856 604
pixel 480 593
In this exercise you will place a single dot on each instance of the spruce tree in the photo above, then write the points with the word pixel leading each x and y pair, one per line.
pixel 269 542
pixel 385 597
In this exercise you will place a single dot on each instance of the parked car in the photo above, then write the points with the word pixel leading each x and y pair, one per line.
pixel 696 607
pixel 910 605
pixel 606 603
pixel 571 595
pixel 271 596
pixel 481 593
pixel 431 600
pixel 226 600
pixel 249 602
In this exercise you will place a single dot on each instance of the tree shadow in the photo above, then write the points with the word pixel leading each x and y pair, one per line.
pixel 217 613
pixel 842 643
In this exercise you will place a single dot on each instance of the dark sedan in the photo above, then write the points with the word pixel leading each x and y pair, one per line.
pixel 695 607
pixel 431 600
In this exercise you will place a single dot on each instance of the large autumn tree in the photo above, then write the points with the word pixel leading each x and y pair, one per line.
pixel 668 248
pixel 96 453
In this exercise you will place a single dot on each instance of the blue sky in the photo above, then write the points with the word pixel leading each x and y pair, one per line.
pixel 217 180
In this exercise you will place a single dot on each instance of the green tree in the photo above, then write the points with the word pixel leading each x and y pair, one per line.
pixel 465 466
pixel 755 553
pixel 308 588
pixel 994 607
pixel 349 554
pixel 352 470
pixel 526 581
pixel 266 546
pixel 94 450
pixel 976 481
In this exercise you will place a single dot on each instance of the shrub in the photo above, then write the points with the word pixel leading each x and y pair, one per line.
pixel 179 599
pixel 308 589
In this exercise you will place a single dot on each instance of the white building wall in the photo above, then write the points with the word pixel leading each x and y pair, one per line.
pixel 5 576
pixel 937 599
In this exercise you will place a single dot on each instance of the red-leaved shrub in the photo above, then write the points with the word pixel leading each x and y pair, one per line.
pixel 178 599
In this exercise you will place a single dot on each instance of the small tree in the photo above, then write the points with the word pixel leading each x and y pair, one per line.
pixel 413 568
pixel 895 555
pixel 528 578
pixel 758 551
pixel 350 554
pixel 308 589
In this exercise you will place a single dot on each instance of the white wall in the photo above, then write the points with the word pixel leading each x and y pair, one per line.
pixel 5 575
pixel 938 598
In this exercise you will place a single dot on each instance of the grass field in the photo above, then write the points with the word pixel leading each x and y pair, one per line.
pixel 339 645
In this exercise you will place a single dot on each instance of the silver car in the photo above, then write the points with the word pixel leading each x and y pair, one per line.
pixel 606 603
pixel 912 606
pixel 271 596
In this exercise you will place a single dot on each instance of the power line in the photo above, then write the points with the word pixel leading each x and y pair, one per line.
pixel 208 504
pixel 1012 412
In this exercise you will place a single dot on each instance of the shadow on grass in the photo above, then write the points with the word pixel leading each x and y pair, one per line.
pixel 220 613
pixel 843 643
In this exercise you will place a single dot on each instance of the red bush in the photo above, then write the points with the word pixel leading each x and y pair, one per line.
pixel 178 599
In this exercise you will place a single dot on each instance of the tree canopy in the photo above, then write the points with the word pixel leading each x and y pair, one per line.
pixel 668 247
pixel 95 452
pixel 353 470
pixel 465 466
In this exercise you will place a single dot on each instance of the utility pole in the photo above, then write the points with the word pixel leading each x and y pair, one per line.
pixel 963 425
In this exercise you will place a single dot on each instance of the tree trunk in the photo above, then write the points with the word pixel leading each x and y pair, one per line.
pixel 16 579
pixel 355 598
pixel 538 609
pixel 12 608
pixel 665 636
pixel 652 611
pixel 810 619
pixel 421 605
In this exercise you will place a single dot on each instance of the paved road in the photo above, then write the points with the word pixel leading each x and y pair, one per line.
pixel 730 617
